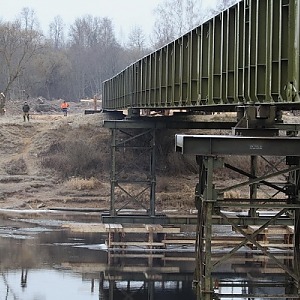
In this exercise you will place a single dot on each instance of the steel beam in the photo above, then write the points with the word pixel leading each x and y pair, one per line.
pixel 167 123
pixel 237 145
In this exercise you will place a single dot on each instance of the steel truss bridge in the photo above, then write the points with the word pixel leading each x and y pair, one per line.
pixel 245 61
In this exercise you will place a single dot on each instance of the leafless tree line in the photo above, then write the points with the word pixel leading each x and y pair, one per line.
pixel 72 65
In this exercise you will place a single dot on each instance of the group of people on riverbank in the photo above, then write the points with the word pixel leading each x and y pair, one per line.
pixel 26 108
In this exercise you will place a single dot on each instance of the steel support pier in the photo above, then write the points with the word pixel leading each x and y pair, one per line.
pixel 268 167
pixel 133 165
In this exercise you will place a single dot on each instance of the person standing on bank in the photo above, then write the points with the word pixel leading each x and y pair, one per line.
pixel 64 107
pixel 26 110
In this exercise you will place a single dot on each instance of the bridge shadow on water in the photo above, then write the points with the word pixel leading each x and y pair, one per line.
pixel 40 259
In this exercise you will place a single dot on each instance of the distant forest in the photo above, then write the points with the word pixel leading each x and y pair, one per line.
pixel 71 63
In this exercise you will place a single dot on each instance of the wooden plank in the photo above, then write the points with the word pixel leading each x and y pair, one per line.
pixel 154 228
pixel 270 230
pixel 226 243
pixel 102 228
pixel 186 259
pixel 86 227
pixel 113 228
pixel 138 244
pixel 145 269
pixel 144 230
pixel 269 245
pixel 264 259
pixel 179 241
pixel 85 267
pixel 136 255
pixel 265 270
pixel 290 229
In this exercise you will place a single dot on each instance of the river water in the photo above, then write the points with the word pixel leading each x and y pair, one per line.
pixel 40 260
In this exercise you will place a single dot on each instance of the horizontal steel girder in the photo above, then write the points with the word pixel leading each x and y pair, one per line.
pixel 213 145
pixel 165 123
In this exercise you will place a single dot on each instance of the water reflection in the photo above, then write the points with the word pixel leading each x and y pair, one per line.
pixel 41 260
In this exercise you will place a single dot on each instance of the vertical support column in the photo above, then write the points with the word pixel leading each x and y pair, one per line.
pixel 297 211
pixel 205 198
pixel 294 179
pixel 199 250
pixel 208 211
pixel 297 248
pixel 111 288
pixel 293 33
pixel 153 173
pixel 297 229
pixel 151 290
pixel 253 187
pixel 201 220
pixel 101 285
pixel 113 178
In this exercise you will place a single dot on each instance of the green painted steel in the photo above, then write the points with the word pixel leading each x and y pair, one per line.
pixel 248 54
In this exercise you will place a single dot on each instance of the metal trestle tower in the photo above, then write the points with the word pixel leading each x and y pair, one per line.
pixel 263 198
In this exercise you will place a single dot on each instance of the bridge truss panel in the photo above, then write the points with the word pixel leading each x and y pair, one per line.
pixel 248 54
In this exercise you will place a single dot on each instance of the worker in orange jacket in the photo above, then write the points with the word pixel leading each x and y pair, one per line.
pixel 64 107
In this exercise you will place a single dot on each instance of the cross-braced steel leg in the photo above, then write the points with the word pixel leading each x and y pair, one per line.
pixel 205 204
pixel 210 201
pixel 294 178
pixel 133 172
pixel 201 220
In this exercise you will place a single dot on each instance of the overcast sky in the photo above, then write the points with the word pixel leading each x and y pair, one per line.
pixel 125 14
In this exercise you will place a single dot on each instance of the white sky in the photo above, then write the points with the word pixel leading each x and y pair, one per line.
pixel 125 14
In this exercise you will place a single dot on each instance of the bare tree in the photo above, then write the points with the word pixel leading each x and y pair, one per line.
pixel 49 74
pixel 173 19
pixel 19 42
pixel 106 33
pixel 224 4
pixel 56 32
pixel 91 31
pixel 69 66
pixel 176 17
pixel 220 6
pixel 136 39
pixel 28 19
pixel 136 44
pixel 193 14
pixel 94 53
pixel 164 29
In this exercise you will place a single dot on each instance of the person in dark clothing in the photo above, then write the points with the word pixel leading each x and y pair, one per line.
pixel 26 110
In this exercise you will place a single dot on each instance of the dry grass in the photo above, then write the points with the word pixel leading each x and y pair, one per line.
pixel 81 152
pixel 234 194
pixel 82 183
pixel 16 167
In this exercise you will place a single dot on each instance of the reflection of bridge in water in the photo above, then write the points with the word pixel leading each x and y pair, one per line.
pixel 157 254
pixel 249 276
pixel 141 264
